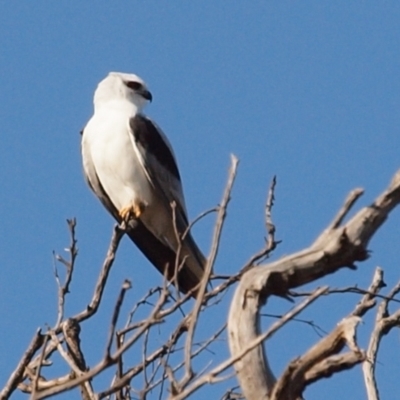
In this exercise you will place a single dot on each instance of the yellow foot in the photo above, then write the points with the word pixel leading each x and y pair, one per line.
pixel 134 210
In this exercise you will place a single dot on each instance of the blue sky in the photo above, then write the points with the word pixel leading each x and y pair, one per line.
pixel 308 91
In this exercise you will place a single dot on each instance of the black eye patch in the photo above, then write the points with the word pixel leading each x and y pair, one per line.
pixel 134 85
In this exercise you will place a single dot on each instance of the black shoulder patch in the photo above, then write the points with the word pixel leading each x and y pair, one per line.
pixel 149 138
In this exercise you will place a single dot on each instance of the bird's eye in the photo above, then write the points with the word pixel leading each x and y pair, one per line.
pixel 134 85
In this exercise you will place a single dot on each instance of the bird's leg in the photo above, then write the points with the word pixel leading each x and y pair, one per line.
pixel 134 210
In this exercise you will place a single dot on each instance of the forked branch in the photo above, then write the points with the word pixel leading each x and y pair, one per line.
pixel 337 247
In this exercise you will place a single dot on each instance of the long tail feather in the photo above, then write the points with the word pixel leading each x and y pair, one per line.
pixel 164 259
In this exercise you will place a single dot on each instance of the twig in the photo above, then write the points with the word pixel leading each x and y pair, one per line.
pixel 368 300
pixel 207 272
pixel 351 199
pixel 38 368
pixel 17 376
pixel 384 322
pixel 270 242
pixel 165 349
pixel 102 279
pixel 125 286
pixel 152 319
pixel 69 265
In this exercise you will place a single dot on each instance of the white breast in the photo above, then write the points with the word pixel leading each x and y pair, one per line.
pixel 120 172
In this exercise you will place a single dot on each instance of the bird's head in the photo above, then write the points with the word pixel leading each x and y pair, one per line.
pixel 120 86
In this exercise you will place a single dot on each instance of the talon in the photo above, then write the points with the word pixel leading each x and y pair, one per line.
pixel 134 210
pixel 125 213
pixel 139 209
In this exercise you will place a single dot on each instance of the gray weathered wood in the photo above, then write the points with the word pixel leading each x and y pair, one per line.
pixel 337 247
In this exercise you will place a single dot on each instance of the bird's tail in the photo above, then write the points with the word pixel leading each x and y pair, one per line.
pixel 191 268
pixel 191 262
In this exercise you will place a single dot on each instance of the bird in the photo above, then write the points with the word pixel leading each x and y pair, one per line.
pixel 130 166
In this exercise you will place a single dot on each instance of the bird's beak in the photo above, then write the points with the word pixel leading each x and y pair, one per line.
pixel 145 94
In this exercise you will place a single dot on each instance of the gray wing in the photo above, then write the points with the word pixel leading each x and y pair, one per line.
pixel 159 163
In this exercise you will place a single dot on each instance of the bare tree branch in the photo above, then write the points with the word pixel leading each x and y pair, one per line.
pixel 384 322
pixel 69 265
pixel 194 317
pixel 108 262
pixel 166 361
pixel 270 242
pixel 337 247
pixel 249 348
pixel 17 375
pixel 314 363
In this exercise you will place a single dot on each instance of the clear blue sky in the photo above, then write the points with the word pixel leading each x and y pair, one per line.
pixel 308 91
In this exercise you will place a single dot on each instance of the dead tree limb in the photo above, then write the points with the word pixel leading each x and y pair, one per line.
pixel 384 322
pixel 338 246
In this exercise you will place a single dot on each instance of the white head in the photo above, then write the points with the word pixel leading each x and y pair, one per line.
pixel 119 86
